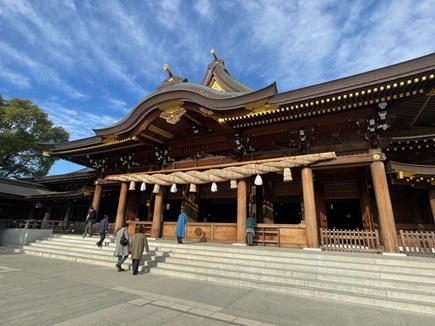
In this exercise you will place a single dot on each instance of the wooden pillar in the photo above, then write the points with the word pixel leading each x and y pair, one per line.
pixel 268 217
pixel 67 212
pixel 385 209
pixel 309 208
pixel 122 203
pixel 365 205
pixel 241 210
pixel 431 193
pixel 320 206
pixel 157 214
pixel 97 197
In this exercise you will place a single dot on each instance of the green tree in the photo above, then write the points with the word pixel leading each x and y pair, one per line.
pixel 22 126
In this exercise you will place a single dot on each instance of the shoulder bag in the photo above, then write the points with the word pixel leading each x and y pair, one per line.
pixel 123 240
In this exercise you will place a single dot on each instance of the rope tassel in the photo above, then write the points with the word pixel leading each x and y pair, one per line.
pixel 287 175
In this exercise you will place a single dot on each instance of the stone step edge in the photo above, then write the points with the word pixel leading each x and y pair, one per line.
pixel 271 258
pixel 391 303
pixel 324 256
pixel 211 272
pixel 206 270
pixel 80 254
pixel 318 256
pixel 227 260
pixel 246 250
pixel 232 262
pixel 368 267
pixel 319 270
pixel 91 261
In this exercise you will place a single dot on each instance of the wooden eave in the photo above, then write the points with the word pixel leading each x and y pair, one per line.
pixel 187 92
pixel 402 173
pixel 418 143
pixel 89 174
pixel 408 79
pixel 350 161
pixel 64 195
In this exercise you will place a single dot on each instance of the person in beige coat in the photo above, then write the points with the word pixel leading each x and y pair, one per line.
pixel 138 245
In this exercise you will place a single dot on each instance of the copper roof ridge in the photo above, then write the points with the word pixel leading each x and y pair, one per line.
pixel 371 77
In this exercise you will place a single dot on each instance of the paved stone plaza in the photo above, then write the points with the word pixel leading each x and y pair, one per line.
pixel 44 291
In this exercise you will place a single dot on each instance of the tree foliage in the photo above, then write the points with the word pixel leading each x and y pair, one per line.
pixel 22 126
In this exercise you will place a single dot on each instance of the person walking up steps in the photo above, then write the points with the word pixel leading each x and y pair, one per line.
pixel 102 230
pixel 121 250
pixel 91 218
pixel 138 244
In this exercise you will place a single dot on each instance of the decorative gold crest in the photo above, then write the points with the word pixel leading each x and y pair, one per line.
pixel 172 111
pixel 174 116
pixel 205 111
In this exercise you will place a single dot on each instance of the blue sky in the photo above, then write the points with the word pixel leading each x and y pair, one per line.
pixel 87 63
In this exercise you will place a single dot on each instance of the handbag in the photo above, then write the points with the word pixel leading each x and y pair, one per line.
pixel 123 240
pixel 130 249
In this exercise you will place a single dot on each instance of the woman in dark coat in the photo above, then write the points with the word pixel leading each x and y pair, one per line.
pixel 138 244
pixel 121 251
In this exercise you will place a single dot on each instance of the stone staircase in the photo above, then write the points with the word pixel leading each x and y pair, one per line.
pixel 405 283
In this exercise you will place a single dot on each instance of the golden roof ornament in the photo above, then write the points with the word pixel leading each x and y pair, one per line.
pixel 214 54
pixel 166 67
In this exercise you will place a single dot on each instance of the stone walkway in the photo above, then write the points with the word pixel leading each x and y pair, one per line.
pixel 43 291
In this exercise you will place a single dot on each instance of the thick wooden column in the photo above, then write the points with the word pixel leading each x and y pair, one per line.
pixel 385 209
pixel 322 221
pixel 365 205
pixel 157 214
pixel 309 208
pixel 97 197
pixel 241 210
pixel 122 203
pixel 67 212
pixel 431 193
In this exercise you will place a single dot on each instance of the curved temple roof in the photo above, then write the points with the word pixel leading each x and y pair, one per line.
pixel 221 107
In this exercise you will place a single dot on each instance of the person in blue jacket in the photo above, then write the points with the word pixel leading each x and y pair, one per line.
pixel 179 230
pixel 102 230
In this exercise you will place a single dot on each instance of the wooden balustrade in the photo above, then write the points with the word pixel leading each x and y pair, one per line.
pixel 267 235
pixel 418 243
pixel 350 240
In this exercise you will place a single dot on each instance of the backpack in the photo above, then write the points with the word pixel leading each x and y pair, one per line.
pixel 123 240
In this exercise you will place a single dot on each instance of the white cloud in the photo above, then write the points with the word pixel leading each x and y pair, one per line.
pixel 99 57
pixel 16 79
pixel 79 123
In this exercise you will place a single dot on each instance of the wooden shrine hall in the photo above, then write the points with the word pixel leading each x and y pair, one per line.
pixel 355 153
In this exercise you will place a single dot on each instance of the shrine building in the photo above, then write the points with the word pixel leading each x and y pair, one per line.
pixel 356 153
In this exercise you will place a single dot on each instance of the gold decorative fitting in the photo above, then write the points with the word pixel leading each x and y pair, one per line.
pixel 376 156
pixel 260 107
pixel 172 111
pixel 109 139
pixel 214 54
pixel 168 71
pixel 205 111
pixel 45 153
pixel 160 131
pixel 215 85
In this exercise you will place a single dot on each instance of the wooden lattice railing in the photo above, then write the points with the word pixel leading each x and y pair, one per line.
pixel 418 243
pixel 350 240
